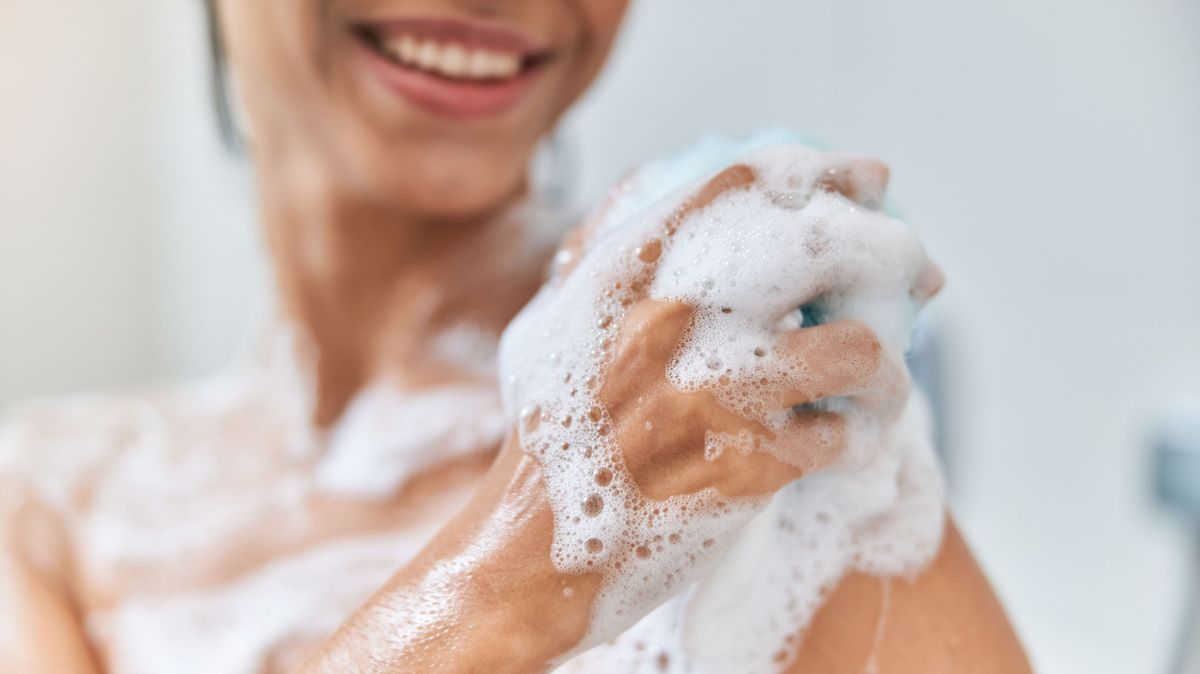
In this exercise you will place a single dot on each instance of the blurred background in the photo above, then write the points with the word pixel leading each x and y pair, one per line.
pixel 1049 151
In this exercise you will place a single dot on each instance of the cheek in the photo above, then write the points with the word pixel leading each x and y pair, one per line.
pixel 597 22
pixel 275 48
pixel 604 16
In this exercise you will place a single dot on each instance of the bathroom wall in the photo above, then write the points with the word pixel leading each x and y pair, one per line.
pixel 1047 150
pixel 77 202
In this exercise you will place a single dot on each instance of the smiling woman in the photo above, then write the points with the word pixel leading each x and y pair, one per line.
pixel 336 123
pixel 358 497
pixel 328 84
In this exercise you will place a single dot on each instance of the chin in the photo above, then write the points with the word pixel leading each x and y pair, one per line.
pixel 461 203
pixel 438 186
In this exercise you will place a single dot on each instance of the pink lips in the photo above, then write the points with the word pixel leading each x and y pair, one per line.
pixel 452 96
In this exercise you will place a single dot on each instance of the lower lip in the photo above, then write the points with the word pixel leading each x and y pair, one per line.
pixel 451 98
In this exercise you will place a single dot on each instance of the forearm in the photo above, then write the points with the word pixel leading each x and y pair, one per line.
pixel 483 596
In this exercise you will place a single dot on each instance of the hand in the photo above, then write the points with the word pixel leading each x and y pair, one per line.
pixel 589 364
pixel 643 463
pixel 664 432
pixel 670 439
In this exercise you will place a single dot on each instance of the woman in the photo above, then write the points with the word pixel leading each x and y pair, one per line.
pixel 271 520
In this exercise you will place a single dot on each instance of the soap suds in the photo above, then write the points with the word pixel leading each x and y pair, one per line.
pixel 793 238
pixel 293 601
pixel 386 436
pixel 216 529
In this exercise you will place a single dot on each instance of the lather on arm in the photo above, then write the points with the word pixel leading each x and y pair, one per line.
pixel 507 612
pixel 486 596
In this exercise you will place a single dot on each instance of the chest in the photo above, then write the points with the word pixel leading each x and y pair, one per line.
pixel 231 546
pixel 260 621
pixel 253 591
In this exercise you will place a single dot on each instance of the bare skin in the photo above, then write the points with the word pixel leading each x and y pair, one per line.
pixel 510 599
pixel 512 614
pixel 945 620
pixel 382 220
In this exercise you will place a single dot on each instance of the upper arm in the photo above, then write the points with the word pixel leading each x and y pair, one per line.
pixel 945 621
pixel 40 627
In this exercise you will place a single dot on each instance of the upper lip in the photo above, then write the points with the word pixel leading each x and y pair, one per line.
pixel 468 33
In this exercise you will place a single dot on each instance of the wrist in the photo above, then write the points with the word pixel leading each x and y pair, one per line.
pixel 536 613
pixel 482 596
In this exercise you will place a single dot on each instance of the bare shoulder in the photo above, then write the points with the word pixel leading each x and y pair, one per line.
pixel 53 446
pixel 946 620
pixel 46 452
pixel 67 450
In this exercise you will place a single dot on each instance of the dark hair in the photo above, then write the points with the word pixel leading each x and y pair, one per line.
pixel 218 80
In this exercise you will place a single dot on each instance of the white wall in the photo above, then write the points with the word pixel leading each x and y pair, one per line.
pixel 1046 149
pixel 75 219
pixel 211 280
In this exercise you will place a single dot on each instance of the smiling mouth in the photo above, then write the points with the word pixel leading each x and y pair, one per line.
pixel 452 52
pixel 453 68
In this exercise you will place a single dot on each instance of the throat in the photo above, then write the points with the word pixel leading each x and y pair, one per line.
pixel 379 297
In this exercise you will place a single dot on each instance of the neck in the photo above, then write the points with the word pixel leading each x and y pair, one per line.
pixel 371 286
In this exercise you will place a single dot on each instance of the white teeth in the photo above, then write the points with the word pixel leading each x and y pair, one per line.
pixel 505 65
pixel 479 64
pixel 407 49
pixel 428 55
pixel 454 60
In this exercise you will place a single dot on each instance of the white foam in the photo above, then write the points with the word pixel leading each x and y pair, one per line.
pixel 746 262
pixel 388 435
pixel 195 513
pixel 238 627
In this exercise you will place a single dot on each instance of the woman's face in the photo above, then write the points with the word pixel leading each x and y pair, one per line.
pixel 430 106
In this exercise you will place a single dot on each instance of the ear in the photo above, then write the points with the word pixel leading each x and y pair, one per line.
pixel 863 180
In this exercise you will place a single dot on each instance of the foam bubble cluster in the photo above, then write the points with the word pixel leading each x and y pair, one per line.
pixel 796 241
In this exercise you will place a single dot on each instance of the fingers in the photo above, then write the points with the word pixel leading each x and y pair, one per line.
pixel 863 180
pixel 757 461
pixel 812 440
pixel 736 177
pixel 647 253
pixel 887 392
pixel 836 359
pixel 929 283
pixel 576 242
pixel 649 334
